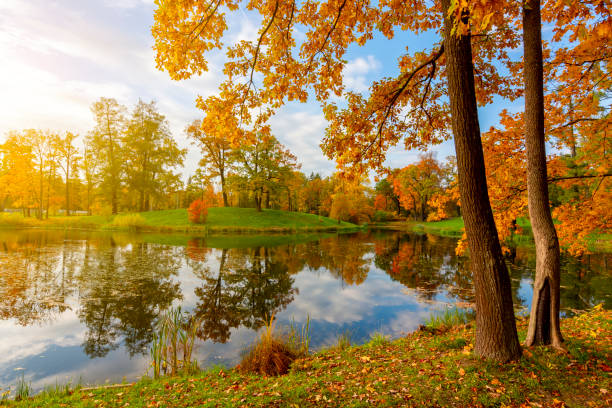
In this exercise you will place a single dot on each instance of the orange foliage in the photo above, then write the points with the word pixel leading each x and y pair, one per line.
pixel 198 211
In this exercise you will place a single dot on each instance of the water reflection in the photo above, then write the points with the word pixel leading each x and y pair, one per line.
pixel 122 289
pixel 248 287
pixel 93 295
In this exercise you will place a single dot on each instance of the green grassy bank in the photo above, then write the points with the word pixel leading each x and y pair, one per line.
pixel 453 227
pixel 220 219
pixel 425 369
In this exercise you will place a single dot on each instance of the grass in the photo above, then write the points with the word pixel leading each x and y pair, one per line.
pixel 448 318
pixel 220 220
pixel 131 222
pixel 453 227
pixel 419 370
pixel 275 351
pixel 173 344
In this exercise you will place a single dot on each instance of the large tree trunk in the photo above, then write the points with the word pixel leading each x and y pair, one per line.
pixel 258 199
pixel 544 319
pixel 496 336
pixel 223 191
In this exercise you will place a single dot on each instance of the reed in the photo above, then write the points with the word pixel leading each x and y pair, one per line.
pixel 23 389
pixel 344 340
pixel 173 344
pixel 299 337
pixel 378 339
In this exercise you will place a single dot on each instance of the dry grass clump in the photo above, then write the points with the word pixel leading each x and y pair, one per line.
pixel 129 221
pixel 274 351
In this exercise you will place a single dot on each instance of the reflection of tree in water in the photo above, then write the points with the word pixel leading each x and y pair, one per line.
pixel 424 262
pixel 123 289
pixel 249 286
pixel 36 275
pixel 585 281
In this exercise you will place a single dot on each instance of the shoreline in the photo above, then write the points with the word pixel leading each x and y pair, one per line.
pixel 424 368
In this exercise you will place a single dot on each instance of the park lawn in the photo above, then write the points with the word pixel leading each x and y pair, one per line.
pixel 231 218
pixel 423 369
pixel 220 219
pixel 451 227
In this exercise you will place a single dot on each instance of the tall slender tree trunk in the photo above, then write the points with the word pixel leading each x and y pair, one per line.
pixel 114 200
pixel 496 336
pixel 141 201
pixel 68 188
pixel 88 197
pixel 544 319
pixel 41 200
pixel 258 198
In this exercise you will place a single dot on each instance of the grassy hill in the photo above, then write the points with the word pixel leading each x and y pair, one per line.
pixel 220 219
pixel 246 219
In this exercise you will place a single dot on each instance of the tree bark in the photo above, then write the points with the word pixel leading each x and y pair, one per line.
pixel 223 191
pixel 68 187
pixel 544 319
pixel 496 336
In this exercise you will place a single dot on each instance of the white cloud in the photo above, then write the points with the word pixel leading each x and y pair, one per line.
pixel 302 132
pixel 356 73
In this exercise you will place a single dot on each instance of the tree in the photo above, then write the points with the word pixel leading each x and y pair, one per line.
pixel 88 165
pixel 150 152
pixel 262 166
pixel 18 179
pixel 417 183
pixel 544 318
pixel 411 106
pixel 41 148
pixel 68 158
pixel 216 158
pixel 384 188
pixel 106 140
pixel 496 335
pixel 340 208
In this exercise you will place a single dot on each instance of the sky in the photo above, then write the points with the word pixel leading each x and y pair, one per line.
pixel 60 56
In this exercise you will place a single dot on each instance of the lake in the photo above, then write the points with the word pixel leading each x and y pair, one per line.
pixel 81 306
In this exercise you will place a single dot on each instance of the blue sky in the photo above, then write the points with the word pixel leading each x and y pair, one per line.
pixel 59 56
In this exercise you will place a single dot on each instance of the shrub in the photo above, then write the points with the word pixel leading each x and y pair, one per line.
pixel 383 216
pixel 273 353
pixel 129 221
pixel 198 211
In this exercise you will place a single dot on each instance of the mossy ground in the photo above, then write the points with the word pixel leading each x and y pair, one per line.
pixel 420 370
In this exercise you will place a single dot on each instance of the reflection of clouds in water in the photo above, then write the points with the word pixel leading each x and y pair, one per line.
pixel 209 353
pixel 113 368
pixel 323 297
pixel 20 342
pixel 393 303
pixel 379 304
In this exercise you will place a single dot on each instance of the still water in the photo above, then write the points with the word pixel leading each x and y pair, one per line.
pixel 81 306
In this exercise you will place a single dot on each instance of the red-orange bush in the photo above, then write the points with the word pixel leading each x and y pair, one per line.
pixel 198 211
